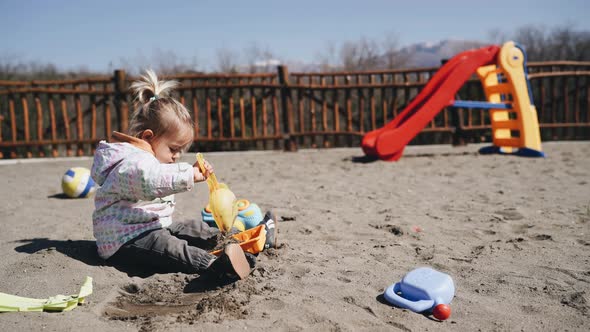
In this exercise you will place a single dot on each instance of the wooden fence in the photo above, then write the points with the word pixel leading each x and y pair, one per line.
pixel 275 110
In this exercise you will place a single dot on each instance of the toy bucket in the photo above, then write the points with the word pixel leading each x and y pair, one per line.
pixel 251 241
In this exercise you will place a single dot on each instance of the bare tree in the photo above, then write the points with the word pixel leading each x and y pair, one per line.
pixel 165 62
pixel 259 58
pixel 363 54
pixel 582 46
pixel 134 65
pixel 392 57
pixel 13 68
pixel 558 43
pixel 327 58
pixel 227 61
pixel 568 44
pixel 349 55
pixel 10 69
pixel 497 36
pixel 535 41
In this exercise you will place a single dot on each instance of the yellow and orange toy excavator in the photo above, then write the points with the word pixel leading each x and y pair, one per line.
pixel 224 208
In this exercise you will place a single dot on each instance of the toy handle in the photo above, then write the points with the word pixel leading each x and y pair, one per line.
pixel 417 306
pixel 212 180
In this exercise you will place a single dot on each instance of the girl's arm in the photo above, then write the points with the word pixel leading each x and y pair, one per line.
pixel 148 179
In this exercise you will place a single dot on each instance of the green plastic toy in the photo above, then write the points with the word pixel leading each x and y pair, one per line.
pixel 55 303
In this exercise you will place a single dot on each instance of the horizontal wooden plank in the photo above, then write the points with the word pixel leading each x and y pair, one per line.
pixel 558 74
pixel 56 91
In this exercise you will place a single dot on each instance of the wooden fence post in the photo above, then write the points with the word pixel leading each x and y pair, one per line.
pixel 1 119
pixel 120 85
pixel 288 140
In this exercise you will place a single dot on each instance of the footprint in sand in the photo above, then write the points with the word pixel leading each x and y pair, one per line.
pixel 477 250
pixel 425 253
pixel 298 271
pixel 521 229
pixel 529 309
pixel 510 214
pixel 344 279
pixel 131 288
pixel 516 240
pixel 273 304
pixel 352 300
pixel 393 229
pixel 576 300
pixel 542 237
pixel 305 231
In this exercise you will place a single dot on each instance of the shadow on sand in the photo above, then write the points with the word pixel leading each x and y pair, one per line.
pixel 85 252
pixel 381 299
pixel 371 159
pixel 364 159
pixel 81 250
pixel 60 196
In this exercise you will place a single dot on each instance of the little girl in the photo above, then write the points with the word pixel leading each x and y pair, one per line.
pixel 138 176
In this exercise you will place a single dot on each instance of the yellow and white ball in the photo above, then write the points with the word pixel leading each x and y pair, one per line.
pixel 77 183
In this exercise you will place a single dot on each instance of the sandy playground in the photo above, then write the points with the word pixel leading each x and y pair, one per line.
pixel 512 232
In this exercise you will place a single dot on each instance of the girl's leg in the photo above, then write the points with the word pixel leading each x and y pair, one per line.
pixel 196 233
pixel 159 249
pixel 200 234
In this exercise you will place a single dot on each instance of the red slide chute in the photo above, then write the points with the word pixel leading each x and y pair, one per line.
pixel 388 142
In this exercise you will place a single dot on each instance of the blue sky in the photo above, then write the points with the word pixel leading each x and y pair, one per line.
pixel 100 34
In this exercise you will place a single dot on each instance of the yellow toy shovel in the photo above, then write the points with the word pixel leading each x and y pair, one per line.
pixel 222 201
pixel 55 303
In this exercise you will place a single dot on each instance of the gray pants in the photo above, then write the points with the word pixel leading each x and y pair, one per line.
pixel 181 247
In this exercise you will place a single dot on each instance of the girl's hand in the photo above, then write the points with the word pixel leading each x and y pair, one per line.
pixel 200 176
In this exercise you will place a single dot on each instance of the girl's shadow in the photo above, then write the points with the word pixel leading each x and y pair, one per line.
pixel 81 250
pixel 85 252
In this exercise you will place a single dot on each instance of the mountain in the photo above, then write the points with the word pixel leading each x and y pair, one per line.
pixel 427 54
pixel 424 54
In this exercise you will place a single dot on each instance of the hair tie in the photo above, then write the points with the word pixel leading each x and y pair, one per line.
pixel 154 98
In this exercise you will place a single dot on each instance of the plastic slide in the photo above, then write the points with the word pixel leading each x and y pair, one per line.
pixel 388 142
pixel 369 140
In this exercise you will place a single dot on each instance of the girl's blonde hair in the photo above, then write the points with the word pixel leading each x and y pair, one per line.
pixel 155 109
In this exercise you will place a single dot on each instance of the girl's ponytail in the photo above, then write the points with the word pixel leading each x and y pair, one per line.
pixel 155 108
pixel 148 88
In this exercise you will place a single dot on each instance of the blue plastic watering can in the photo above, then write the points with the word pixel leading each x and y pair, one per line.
pixel 422 290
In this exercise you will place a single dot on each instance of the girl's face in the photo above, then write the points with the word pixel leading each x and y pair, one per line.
pixel 169 147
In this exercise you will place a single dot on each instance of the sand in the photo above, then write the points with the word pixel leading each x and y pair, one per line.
pixel 512 232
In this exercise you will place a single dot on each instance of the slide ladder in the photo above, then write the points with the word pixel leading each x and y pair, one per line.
pixel 515 127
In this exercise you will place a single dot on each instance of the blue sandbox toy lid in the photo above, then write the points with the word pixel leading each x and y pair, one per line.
pixel 421 290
